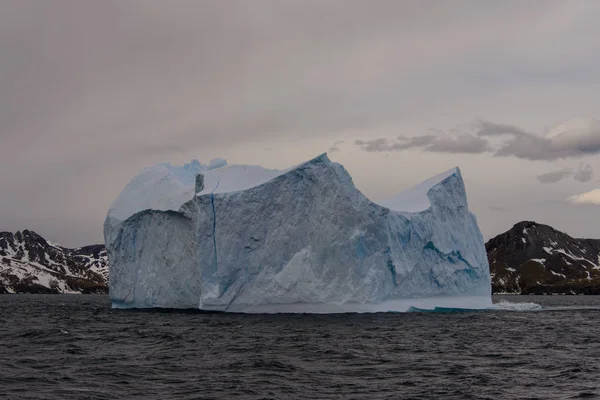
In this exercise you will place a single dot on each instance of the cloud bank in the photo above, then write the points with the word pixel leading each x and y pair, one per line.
pixel 555 176
pixel 461 143
pixel 571 139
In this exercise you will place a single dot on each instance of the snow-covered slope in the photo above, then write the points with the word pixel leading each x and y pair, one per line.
pixel 30 264
pixel 304 239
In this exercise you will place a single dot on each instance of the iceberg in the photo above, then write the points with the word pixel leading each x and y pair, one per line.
pixel 240 238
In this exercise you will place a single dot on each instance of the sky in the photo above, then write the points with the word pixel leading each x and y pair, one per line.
pixel 91 92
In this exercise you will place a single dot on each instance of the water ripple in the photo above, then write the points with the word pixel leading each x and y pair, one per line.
pixel 76 347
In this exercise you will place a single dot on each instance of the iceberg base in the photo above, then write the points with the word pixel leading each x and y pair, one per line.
pixel 397 305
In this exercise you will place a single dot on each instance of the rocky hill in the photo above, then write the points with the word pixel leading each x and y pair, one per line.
pixel 532 258
pixel 31 264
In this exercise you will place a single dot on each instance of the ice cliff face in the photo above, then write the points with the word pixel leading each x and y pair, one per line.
pixel 305 239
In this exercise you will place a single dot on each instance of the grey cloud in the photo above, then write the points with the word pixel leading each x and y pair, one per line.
pixel 520 143
pixel 462 143
pixel 584 173
pixel 575 139
pixel 555 176
pixel 571 142
pixel 401 143
pixel 486 128
pixel 534 149
pixel 374 145
pixel 416 141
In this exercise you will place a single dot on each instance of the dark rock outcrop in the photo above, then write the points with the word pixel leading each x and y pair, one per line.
pixel 532 258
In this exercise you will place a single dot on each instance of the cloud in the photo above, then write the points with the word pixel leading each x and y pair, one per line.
pixel 555 176
pixel 401 143
pixel 584 173
pixel 579 134
pixel 591 197
pixel 487 128
pixel 518 142
pixel 375 145
pixel 461 143
pixel 574 138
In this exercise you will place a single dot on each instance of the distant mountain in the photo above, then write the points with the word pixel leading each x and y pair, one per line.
pixel 532 258
pixel 31 264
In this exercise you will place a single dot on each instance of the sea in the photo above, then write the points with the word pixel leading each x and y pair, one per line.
pixel 77 347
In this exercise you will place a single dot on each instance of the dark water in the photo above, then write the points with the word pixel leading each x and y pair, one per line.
pixel 76 347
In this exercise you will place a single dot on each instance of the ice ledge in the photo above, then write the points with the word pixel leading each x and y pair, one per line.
pixel 418 198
